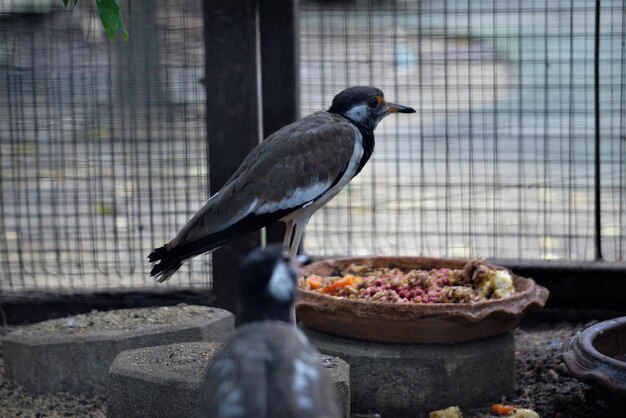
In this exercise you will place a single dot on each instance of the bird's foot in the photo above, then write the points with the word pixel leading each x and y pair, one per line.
pixel 327 361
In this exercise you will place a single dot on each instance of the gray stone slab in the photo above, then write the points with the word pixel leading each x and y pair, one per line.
pixel 166 381
pixel 74 354
pixel 339 374
pixel 400 380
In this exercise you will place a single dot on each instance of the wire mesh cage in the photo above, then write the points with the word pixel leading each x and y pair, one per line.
pixel 103 145
pixel 499 160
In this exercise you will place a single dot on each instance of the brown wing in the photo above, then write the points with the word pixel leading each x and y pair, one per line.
pixel 311 152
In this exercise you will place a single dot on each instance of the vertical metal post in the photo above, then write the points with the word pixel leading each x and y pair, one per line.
pixel 232 119
pixel 597 206
pixel 278 24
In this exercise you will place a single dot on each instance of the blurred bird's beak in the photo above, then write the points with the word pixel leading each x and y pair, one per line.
pixel 396 108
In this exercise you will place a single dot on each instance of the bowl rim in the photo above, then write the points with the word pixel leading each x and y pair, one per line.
pixel 585 339
pixel 533 294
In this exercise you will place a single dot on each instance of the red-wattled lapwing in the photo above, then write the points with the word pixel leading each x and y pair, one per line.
pixel 268 368
pixel 287 177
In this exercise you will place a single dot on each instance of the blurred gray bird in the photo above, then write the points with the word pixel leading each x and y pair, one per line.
pixel 287 177
pixel 268 368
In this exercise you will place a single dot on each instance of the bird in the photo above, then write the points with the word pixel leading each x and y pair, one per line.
pixel 268 368
pixel 287 177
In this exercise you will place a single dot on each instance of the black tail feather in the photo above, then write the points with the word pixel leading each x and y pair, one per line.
pixel 157 254
pixel 165 268
pixel 170 259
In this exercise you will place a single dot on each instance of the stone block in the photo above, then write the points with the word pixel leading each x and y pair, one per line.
pixel 401 380
pixel 166 381
pixel 74 354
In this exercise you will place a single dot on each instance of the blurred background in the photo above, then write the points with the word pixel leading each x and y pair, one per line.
pixel 517 150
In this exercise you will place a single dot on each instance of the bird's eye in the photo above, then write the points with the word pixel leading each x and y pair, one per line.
pixel 373 102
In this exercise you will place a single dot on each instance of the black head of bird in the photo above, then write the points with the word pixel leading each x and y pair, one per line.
pixel 287 177
pixel 365 106
pixel 267 286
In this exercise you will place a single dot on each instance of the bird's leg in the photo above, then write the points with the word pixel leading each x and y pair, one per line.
pixel 288 234
pixel 293 249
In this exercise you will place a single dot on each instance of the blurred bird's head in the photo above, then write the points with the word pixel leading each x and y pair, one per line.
pixel 365 106
pixel 267 286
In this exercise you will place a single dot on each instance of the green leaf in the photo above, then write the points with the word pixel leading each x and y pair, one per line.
pixel 111 18
pixel 67 1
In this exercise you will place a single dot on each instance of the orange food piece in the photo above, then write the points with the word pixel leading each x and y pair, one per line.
pixel 347 280
pixel 499 409
pixel 314 282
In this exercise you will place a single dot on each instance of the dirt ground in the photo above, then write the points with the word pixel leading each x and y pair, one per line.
pixel 543 384
pixel 542 380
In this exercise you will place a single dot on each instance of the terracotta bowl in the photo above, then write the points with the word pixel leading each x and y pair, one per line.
pixel 413 323
pixel 598 356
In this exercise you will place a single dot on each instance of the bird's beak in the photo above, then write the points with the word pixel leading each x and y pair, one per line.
pixel 396 108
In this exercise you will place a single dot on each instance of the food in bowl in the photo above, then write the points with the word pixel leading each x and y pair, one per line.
pixel 477 281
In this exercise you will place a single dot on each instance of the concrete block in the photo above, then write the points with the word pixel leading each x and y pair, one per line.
pixel 400 380
pixel 339 374
pixel 74 354
pixel 166 381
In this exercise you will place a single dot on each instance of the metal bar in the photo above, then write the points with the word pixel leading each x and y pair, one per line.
pixel 545 137
pixel 596 68
pixel 280 81
pixel 622 142
pixel 570 143
pixel 446 99
pixel 422 165
pixel 232 122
